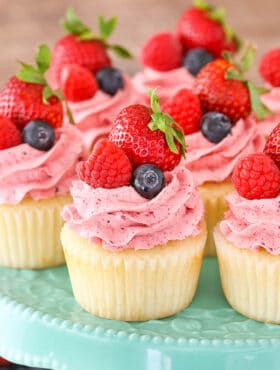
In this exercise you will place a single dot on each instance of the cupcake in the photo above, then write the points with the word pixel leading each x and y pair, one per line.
pixel 82 68
pixel 172 60
pixel 134 235
pixel 219 137
pixel 247 239
pixel 38 156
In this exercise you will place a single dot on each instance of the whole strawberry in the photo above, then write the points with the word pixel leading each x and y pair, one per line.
pixel 204 26
pixel 107 166
pixel 148 136
pixel 270 67
pixel 82 47
pixel 162 52
pixel 184 107
pixel 28 97
pixel 272 146
pixel 222 87
pixel 9 134
pixel 256 177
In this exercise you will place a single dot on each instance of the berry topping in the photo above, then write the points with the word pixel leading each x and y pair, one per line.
pixel 83 47
pixel 184 108
pixel 149 136
pixel 204 26
pixel 215 126
pixel 107 166
pixel 162 52
pixel 222 87
pixel 110 80
pixel 270 67
pixel 272 146
pixel 9 134
pixel 256 176
pixel 195 59
pixel 77 83
pixel 148 180
pixel 27 96
pixel 39 134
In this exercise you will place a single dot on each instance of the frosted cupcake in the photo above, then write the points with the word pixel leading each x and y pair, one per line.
pixel 82 68
pixel 247 240
pixel 38 157
pixel 134 240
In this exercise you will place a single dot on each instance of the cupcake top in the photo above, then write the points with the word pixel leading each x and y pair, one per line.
pixel 131 192
pixel 253 219
pixel 38 154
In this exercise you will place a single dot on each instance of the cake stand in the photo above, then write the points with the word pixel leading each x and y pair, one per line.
pixel 42 326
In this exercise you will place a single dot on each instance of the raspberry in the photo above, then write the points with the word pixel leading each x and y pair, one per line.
pixel 107 167
pixel 272 146
pixel 184 108
pixel 162 52
pixel 77 83
pixel 269 67
pixel 256 176
pixel 9 134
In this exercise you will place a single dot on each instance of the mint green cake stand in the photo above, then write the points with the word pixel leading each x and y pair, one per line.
pixel 42 326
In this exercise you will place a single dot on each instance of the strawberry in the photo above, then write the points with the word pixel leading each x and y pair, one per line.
pixel 82 47
pixel 269 67
pixel 222 87
pixel 162 52
pixel 184 107
pixel 4 362
pixel 9 134
pixel 27 96
pixel 256 177
pixel 77 83
pixel 148 136
pixel 204 26
pixel 272 146
pixel 107 166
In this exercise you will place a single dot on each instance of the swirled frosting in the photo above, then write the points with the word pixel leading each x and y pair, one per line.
pixel 28 172
pixel 253 224
pixel 168 83
pixel 122 219
pixel 215 162
pixel 272 101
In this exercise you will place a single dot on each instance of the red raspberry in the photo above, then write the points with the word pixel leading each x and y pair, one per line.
pixel 9 134
pixel 269 67
pixel 272 146
pixel 184 107
pixel 4 362
pixel 162 52
pixel 107 166
pixel 77 83
pixel 256 176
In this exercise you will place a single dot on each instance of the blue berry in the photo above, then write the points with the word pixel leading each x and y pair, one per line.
pixel 148 180
pixel 110 80
pixel 39 135
pixel 195 59
pixel 215 126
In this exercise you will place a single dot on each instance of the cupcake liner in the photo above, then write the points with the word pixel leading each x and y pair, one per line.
pixel 213 195
pixel 133 285
pixel 250 280
pixel 30 233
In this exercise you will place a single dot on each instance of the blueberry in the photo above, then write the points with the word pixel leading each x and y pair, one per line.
pixel 110 80
pixel 215 126
pixel 39 135
pixel 148 180
pixel 195 59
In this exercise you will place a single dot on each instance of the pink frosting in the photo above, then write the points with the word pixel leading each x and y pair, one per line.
pixel 168 83
pixel 215 162
pixel 272 101
pixel 26 171
pixel 122 219
pixel 251 224
pixel 95 116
